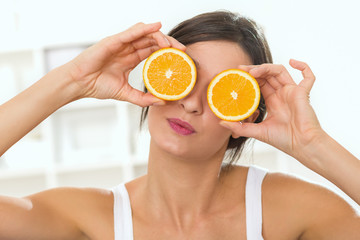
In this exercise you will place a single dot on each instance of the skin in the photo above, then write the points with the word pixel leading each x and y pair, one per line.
pixel 185 194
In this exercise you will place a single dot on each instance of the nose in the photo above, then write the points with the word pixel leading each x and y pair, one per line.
pixel 193 103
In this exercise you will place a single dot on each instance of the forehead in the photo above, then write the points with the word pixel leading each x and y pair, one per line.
pixel 216 56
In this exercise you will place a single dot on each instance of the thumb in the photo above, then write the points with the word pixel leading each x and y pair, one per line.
pixel 240 129
pixel 142 99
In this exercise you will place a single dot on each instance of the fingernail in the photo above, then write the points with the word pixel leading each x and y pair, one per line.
pixel 167 41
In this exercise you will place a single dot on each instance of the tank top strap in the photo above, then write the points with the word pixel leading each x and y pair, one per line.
pixel 253 204
pixel 123 228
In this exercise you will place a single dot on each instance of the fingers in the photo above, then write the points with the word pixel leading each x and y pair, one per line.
pixel 140 98
pixel 240 129
pixel 265 87
pixel 309 77
pixel 151 32
pixel 272 77
pixel 175 43
pixel 148 41
pixel 145 52
pixel 276 74
pixel 268 85
pixel 144 43
pixel 161 39
pixel 137 31
pixel 166 41
pixel 247 68
pixel 142 36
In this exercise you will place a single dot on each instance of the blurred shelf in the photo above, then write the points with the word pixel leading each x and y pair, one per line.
pixel 97 166
pixel 7 174
pixel 88 103
pixel 17 44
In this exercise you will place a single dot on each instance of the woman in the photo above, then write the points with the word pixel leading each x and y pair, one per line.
pixel 187 194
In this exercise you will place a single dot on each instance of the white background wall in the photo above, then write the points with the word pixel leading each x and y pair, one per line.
pixel 325 34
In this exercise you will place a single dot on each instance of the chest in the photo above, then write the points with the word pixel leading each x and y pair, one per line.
pixel 217 227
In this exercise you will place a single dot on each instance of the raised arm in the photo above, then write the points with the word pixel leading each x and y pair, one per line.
pixel 292 126
pixel 101 72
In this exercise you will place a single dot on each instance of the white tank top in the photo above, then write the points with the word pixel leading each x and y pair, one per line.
pixel 123 219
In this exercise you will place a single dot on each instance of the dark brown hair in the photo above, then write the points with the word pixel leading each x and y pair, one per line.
pixel 226 26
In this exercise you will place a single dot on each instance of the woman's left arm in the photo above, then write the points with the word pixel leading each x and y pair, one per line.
pixel 292 126
pixel 335 163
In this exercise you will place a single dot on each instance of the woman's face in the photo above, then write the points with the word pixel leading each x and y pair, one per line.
pixel 187 128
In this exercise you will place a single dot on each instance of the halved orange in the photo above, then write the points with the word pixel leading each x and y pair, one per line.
pixel 233 95
pixel 169 74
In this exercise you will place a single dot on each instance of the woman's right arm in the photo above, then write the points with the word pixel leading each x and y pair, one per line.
pixel 25 111
pixel 47 215
pixel 100 72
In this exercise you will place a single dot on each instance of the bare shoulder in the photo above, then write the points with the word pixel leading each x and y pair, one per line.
pixel 308 210
pixel 84 207
pixel 74 199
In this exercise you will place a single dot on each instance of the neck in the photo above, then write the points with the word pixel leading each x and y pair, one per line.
pixel 182 188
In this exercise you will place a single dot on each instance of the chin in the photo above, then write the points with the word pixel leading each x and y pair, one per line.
pixel 172 146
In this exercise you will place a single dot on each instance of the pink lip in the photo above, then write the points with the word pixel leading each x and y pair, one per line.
pixel 181 127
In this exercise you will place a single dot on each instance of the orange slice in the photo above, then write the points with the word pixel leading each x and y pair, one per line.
pixel 169 74
pixel 233 95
